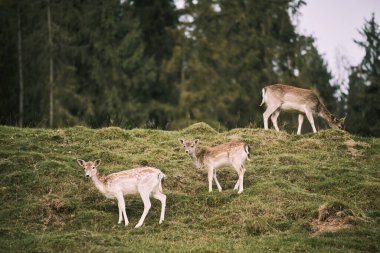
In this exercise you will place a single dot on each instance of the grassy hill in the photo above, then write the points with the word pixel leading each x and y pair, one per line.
pixel 297 190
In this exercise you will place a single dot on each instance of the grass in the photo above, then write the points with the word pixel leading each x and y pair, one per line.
pixel 47 205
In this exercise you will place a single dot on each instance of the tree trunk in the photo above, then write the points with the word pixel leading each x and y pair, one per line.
pixel 21 80
pixel 51 80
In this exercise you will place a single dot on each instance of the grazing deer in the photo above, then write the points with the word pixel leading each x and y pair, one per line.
pixel 233 153
pixel 143 180
pixel 279 97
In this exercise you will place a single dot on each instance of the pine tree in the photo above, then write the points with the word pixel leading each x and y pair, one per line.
pixel 234 49
pixel 158 22
pixel 364 84
pixel 116 74
pixel 9 104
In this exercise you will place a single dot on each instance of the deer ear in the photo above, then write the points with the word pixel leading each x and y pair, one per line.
pixel 80 162
pixel 197 141
pixel 181 141
pixel 97 162
pixel 343 119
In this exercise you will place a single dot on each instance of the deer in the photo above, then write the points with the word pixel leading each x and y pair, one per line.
pixel 147 181
pixel 234 153
pixel 279 97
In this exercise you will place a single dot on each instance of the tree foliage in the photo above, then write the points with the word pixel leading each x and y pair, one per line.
pixel 364 84
pixel 147 64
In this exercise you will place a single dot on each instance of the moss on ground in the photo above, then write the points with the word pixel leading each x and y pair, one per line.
pixel 47 205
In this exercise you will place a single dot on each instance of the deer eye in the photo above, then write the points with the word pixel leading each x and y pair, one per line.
pixel 192 146
pixel 93 167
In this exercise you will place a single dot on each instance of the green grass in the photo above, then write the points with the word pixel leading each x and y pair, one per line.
pixel 47 205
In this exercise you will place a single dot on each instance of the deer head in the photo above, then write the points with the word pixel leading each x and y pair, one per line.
pixel 89 167
pixel 189 145
pixel 339 123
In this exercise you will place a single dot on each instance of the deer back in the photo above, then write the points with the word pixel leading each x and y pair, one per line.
pixel 224 154
pixel 291 98
pixel 129 181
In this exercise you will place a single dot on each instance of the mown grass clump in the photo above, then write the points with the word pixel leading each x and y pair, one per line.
pixel 295 187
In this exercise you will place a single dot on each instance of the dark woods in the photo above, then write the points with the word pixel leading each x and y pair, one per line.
pixel 147 64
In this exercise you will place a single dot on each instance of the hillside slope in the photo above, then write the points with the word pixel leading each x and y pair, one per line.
pixel 297 189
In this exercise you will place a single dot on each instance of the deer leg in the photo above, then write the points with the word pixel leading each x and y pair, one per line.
pixel 309 116
pixel 161 197
pixel 237 183
pixel 241 178
pixel 300 122
pixel 236 167
pixel 274 117
pixel 121 205
pixel 267 113
pixel 120 215
pixel 210 176
pixel 216 181
pixel 145 198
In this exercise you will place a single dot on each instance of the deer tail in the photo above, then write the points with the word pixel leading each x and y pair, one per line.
pixel 263 92
pixel 247 149
pixel 161 176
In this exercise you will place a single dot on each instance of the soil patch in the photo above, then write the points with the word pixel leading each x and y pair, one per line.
pixel 331 218
pixel 356 148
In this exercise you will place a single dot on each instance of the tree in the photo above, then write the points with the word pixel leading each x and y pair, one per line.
pixel 116 76
pixel 134 64
pixel 51 67
pixel 232 49
pixel 20 67
pixel 9 64
pixel 364 84
pixel 158 22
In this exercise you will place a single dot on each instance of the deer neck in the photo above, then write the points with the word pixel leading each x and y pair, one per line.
pixel 98 183
pixel 327 116
pixel 329 119
pixel 197 158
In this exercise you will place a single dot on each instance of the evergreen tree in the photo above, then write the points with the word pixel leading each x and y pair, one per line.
pixel 131 63
pixel 116 74
pixel 234 49
pixel 8 61
pixel 158 21
pixel 312 72
pixel 364 84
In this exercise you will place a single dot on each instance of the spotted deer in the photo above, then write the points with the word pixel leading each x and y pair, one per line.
pixel 233 153
pixel 279 97
pixel 146 181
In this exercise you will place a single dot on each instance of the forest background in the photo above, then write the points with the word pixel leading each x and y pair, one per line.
pixel 147 64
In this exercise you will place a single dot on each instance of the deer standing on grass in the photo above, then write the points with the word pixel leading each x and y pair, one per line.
pixel 279 97
pixel 233 153
pixel 143 180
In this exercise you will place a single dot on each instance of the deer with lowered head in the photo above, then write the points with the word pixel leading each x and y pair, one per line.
pixel 147 181
pixel 279 97
pixel 233 153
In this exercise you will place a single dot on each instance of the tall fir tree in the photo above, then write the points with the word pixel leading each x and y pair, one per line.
pixel 235 48
pixel 117 76
pixel 131 63
pixel 158 21
pixel 9 104
pixel 364 84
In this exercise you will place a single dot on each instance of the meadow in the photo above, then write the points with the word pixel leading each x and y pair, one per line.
pixel 302 193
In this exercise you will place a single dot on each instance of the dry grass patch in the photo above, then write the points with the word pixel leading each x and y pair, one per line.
pixel 333 217
pixel 356 148
pixel 53 210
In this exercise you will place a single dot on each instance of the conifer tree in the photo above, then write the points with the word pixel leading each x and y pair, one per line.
pixel 364 84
